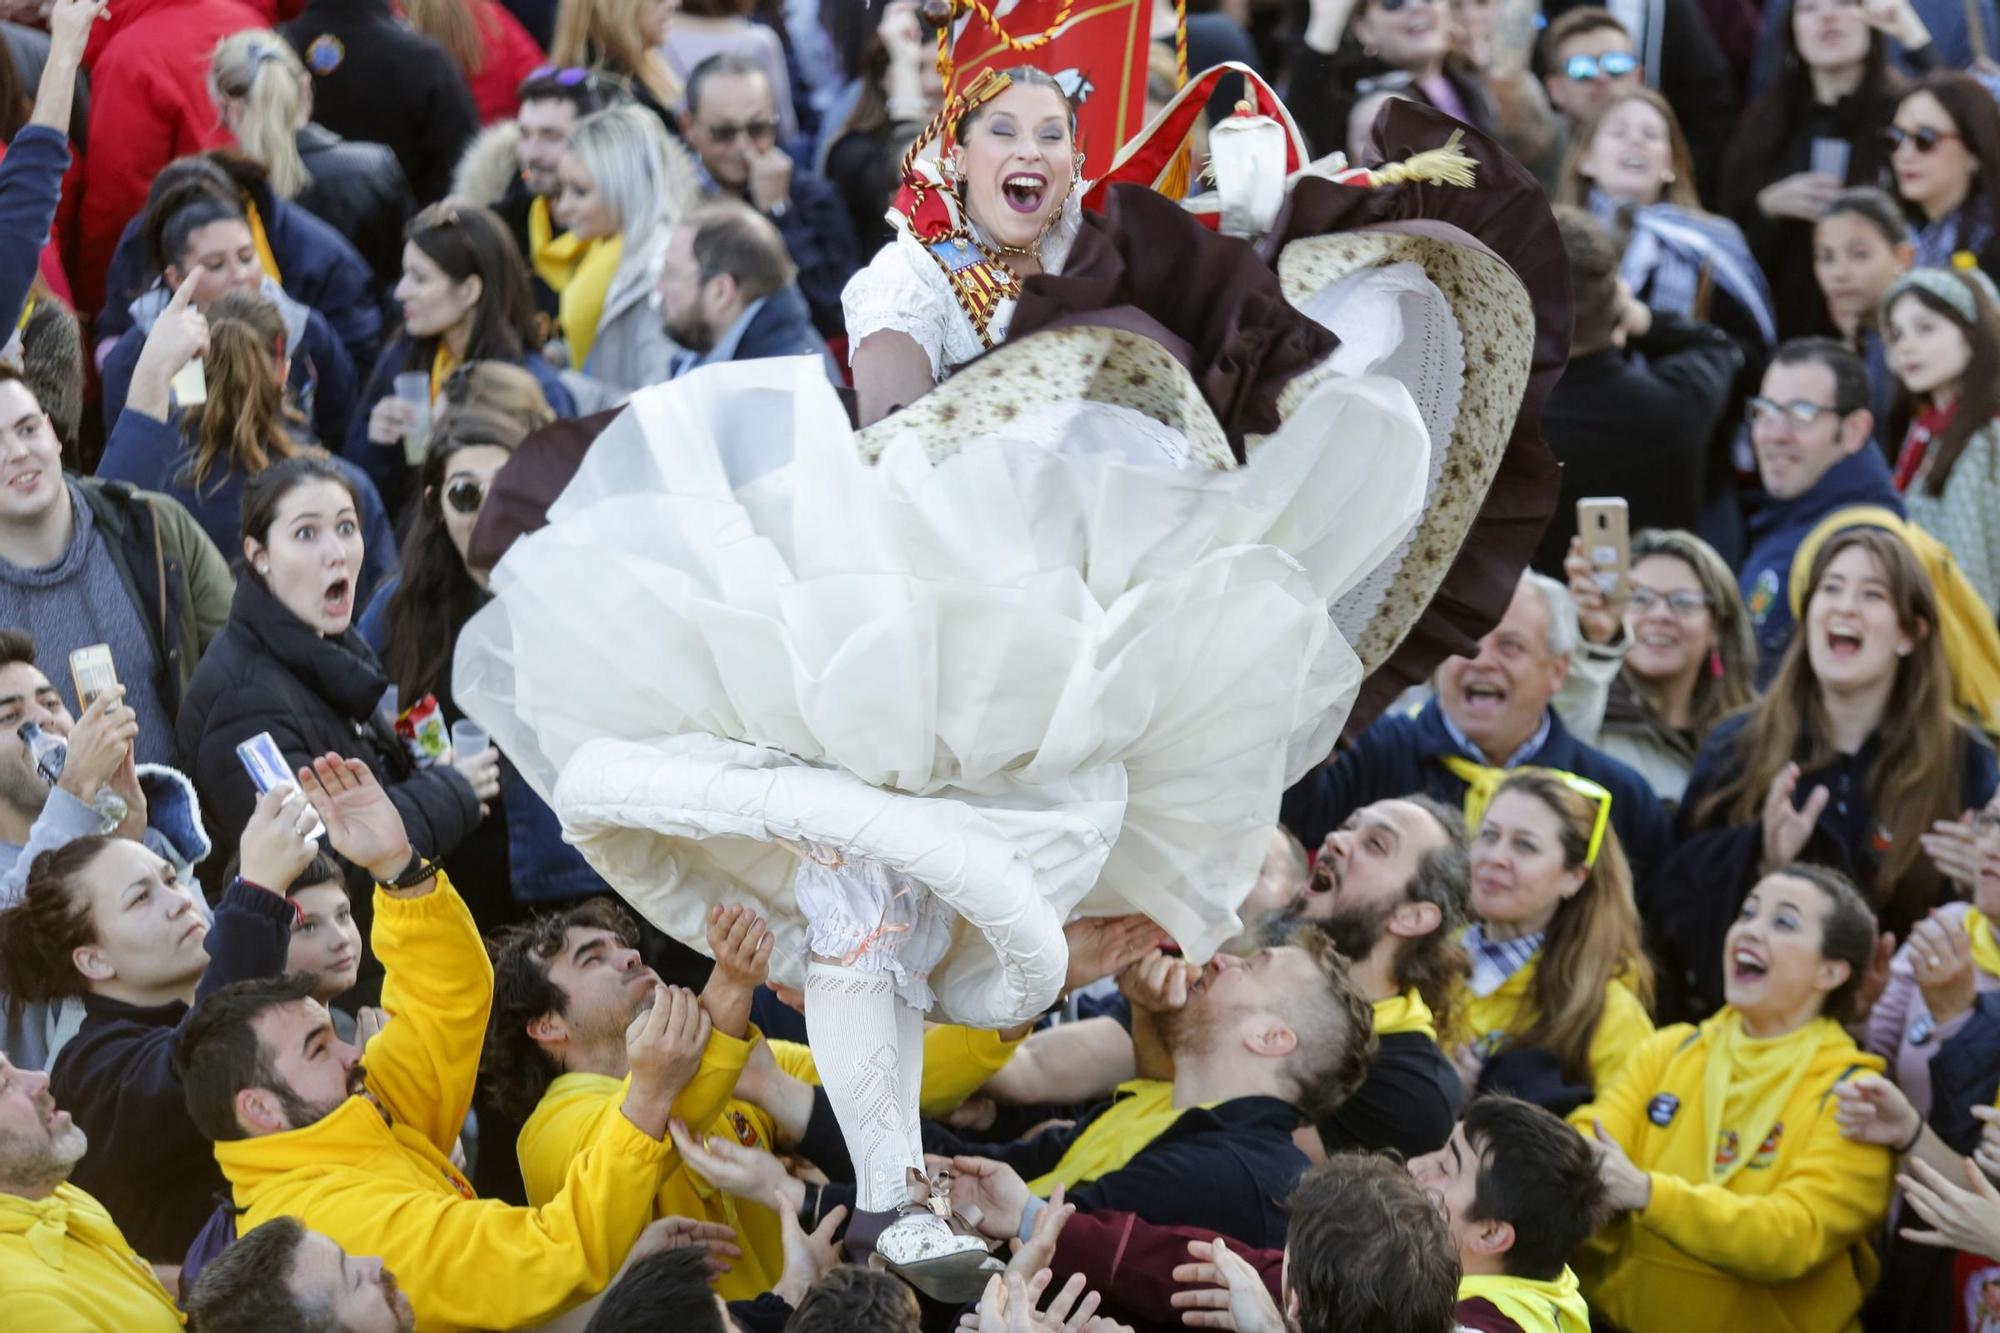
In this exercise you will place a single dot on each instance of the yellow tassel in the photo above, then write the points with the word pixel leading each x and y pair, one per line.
pixel 1173 182
pixel 1449 165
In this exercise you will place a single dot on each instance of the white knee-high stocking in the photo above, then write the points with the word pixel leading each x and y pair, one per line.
pixel 871 1066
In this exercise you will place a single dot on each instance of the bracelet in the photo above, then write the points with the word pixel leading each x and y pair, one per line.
pixel 416 872
pixel 1904 1151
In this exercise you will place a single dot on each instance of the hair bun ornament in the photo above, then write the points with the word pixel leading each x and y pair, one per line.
pixel 1964 260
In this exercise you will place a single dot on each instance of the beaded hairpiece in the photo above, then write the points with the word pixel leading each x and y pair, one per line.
pixel 1953 286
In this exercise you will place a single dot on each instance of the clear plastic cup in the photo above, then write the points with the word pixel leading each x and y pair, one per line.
pixel 468 738
pixel 414 388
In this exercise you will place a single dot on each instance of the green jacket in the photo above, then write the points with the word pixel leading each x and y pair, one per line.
pixel 176 578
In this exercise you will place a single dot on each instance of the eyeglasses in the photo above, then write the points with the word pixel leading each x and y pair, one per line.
pixel 1683 602
pixel 1610 65
pixel 1762 411
pixel 465 495
pixel 757 131
pixel 1925 139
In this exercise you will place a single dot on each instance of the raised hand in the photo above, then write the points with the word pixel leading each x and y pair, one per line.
pixel 663 1048
pixel 1104 946
pixel 362 824
pixel 1038 1251
pixel 991 1191
pixel 275 848
pixel 1870 1109
pixel 178 336
pixel 1953 848
pixel 99 743
pixel 681 1233
pixel 747 1173
pixel 70 22
pixel 1601 616
pixel 1224 1291
pixel 1960 1218
pixel 1941 958
pixel 808 1256
pixel 1158 983
pixel 1787 829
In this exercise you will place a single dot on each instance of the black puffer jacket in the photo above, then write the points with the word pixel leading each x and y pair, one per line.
pixel 359 190
pixel 270 671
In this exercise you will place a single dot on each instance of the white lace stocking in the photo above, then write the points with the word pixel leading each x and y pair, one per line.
pixel 857 1027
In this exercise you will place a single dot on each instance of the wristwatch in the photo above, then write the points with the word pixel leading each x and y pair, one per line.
pixel 416 872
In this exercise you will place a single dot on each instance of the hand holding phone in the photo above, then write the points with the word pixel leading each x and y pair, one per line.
pixel 1604 523
pixel 92 672
pixel 265 763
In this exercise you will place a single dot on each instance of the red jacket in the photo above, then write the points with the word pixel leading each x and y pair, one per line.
pixel 149 104
pixel 511 56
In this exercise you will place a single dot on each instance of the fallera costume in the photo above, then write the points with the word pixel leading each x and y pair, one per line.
pixel 1053 639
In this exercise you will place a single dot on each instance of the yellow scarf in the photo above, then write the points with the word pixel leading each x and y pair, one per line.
pixel 1141 1110
pixel 1538 1307
pixel 1481 781
pixel 1746 1086
pixel 1404 1013
pixel 1985 948
pixel 263 242
pixel 442 364
pixel 579 272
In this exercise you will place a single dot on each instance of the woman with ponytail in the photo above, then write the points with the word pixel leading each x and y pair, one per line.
pixel 264 95
pixel 489 46
pixel 246 423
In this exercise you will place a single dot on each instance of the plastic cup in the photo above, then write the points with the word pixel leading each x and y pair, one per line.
pixel 468 739
pixel 414 388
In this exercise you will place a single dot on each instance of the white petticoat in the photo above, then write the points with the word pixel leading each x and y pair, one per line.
pixel 1043 675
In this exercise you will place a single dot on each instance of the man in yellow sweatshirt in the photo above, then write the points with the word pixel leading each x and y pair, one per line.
pixel 360 1152
pixel 63 1262
pixel 1520 1192
pixel 568 985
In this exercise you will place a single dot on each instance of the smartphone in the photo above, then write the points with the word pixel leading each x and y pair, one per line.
pixel 1604 522
pixel 91 671
pixel 265 763
pixel 189 385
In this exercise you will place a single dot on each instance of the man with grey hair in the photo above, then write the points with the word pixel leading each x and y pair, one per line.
pixel 63 1261
pixel 1490 711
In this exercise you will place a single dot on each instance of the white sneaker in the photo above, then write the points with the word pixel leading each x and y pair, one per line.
pixel 923 1250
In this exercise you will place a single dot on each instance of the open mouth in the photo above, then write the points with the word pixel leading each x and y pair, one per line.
pixel 1662 639
pixel 1484 694
pixel 1746 966
pixel 1024 191
pixel 1633 162
pixel 338 599
pixel 1843 643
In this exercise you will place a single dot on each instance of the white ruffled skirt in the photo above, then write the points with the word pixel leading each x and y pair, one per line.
pixel 1052 673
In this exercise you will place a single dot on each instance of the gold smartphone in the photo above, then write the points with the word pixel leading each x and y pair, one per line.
pixel 90 669
pixel 1605 525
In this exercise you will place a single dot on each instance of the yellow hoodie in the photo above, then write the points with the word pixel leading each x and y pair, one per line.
pixel 376 1174
pixel 576 1108
pixel 65 1265
pixel 1537 1307
pixel 1485 1020
pixel 1780 1244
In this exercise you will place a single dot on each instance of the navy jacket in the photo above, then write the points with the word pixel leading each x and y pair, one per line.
pixel 1228 1167
pixel 156 456
pixel 30 186
pixel 1693 897
pixel 320 268
pixel 1402 753
pixel 147 1163
pixel 322 380
pixel 1775 533
pixel 384 464
pixel 820 239
pixel 782 326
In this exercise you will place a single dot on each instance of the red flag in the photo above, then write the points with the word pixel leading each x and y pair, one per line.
pixel 1098 53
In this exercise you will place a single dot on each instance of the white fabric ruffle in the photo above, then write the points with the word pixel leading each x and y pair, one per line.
pixel 1045 674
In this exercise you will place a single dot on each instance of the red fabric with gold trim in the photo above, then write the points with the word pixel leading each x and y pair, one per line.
pixel 1145 158
pixel 1099 56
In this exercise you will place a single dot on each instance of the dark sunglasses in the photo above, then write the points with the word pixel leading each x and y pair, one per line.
pixel 1925 139
pixel 757 131
pixel 465 495
pixel 1610 65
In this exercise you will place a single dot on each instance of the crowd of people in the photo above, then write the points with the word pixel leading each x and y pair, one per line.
pixel 618 809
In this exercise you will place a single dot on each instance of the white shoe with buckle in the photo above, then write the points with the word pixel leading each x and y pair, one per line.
pixel 922 1247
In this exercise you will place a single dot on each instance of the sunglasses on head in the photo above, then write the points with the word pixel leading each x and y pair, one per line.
pixel 1596 794
pixel 465 494
pixel 1925 139
pixel 1391 6
pixel 1610 65
pixel 566 75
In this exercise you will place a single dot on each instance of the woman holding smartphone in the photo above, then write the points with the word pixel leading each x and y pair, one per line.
pixel 290 662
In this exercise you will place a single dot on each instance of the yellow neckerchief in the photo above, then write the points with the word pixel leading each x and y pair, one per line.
pixel 1404 1013
pixel 263 242
pixel 580 273
pixel 1538 1307
pixel 1748 1083
pixel 442 364
pixel 1141 1110
pixel 69 1214
pixel 1481 781
pixel 1985 948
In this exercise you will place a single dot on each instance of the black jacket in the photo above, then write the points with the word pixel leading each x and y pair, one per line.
pixel 147 1162
pixel 1638 426
pixel 377 81
pixel 360 191
pixel 270 671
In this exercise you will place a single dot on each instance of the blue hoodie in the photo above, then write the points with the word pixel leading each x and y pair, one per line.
pixel 1775 534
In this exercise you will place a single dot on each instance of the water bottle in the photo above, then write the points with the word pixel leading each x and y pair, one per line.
pixel 49 753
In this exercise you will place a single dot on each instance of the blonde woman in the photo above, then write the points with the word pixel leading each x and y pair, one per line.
pixel 622 37
pixel 623 184
pixel 263 94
